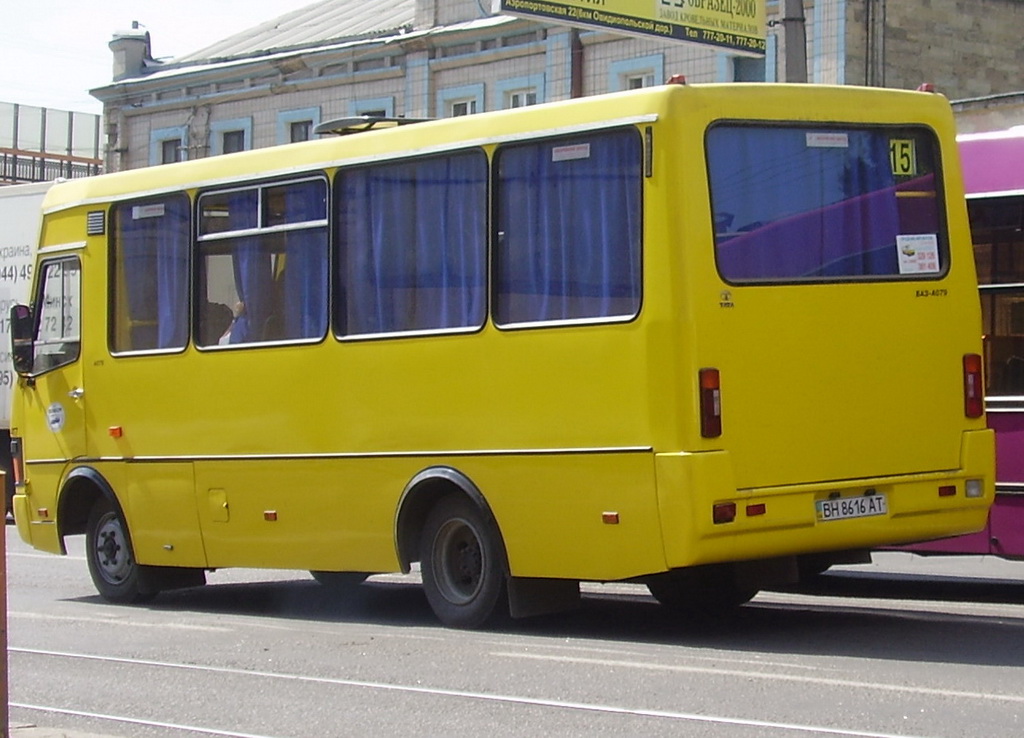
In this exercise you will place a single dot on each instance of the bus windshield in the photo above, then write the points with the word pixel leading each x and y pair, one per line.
pixel 866 198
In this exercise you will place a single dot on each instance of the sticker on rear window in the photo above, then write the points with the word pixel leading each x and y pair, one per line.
pixel 918 253
pixel 568 153
pixel 818 140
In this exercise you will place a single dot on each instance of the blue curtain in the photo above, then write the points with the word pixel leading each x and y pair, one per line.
pixel 153 245
pixel 252 268
pixel 569 229
pixel 412 242
pixel 304 299
pixel 785 208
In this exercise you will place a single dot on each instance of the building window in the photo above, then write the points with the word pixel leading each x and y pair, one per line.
pixel 170 151
pixel 519 92
pixel 462 107
pixel 747 69
pixel 301 130
pixel 520 99
pixel 368 65
pixel 168 145
pixel 456 101
pixel 229 136
pixel 232 142
pixel 379 107
pixel 297 125
pixel 632 74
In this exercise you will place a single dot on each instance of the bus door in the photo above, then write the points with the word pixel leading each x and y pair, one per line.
pixel 55 428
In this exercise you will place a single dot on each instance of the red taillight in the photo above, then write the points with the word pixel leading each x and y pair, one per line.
pixel 974 392
pixel 723 512
pixel 710 403
pixel 17 462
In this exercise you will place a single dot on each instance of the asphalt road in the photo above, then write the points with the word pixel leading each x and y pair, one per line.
pixel 903 647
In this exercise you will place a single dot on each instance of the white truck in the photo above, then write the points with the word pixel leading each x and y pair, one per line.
pixel 20 211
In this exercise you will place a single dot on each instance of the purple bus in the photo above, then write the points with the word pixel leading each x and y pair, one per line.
pixel 993 167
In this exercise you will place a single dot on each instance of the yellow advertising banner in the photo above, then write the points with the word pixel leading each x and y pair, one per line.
pixel 732 24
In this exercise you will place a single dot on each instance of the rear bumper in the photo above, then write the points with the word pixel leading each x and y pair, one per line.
pixel 785 520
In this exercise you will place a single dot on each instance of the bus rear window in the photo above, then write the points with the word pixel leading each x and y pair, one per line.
pixel 793 203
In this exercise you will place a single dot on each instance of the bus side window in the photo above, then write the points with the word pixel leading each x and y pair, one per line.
pixel 996 229
pixel 263 251
pixel 1003 322
pixel 568 223
pixel 58 341
pixel 150 275
pixel 412 245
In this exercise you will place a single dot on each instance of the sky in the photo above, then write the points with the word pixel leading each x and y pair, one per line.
pixel 52 52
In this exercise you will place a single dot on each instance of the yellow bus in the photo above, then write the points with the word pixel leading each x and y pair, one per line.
pixel 694 336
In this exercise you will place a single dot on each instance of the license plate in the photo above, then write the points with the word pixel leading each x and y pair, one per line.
pixel 843 508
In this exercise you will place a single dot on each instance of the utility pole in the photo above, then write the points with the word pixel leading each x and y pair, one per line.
pixel 795 35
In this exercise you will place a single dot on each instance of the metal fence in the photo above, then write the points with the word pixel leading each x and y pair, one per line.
pixel 42 144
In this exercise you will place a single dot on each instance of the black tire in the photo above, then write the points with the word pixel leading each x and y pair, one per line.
pixel 699 593
pixel 108 550
pixel 339 580
pixel 462 560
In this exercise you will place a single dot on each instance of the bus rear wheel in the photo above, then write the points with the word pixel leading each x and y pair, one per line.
pixel 462 561
pixel 339 581
pixel 700 593
pixel 108 551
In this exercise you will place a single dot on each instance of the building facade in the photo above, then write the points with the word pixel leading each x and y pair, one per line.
pixel 435 58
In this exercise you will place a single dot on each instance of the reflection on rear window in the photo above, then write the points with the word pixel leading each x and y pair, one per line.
pixel 794 203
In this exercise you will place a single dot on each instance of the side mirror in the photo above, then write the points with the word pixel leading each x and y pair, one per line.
pixel 23 347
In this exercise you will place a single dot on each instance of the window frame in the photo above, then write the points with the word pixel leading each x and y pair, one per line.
pixel 647 68
pixel 199 271
pixel 114 250
pixel 39 302
pixel 469 95
pixel 942 220
pixel 338 290
pixel 495 236
pixel 218 129
pixel 300 115
pixel 159 136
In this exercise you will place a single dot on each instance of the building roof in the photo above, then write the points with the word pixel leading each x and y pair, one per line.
pixel 315 24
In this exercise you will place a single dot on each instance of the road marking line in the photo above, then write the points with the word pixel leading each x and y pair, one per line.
pixel 135 721
pixel 773 676
pixel 507 699
pixel 117 621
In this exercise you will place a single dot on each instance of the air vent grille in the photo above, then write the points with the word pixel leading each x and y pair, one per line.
pixel 96 223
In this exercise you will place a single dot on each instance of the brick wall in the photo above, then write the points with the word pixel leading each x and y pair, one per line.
pixel 967 48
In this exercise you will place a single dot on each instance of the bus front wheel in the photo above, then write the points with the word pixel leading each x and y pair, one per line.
pixel 108 551
pixel 462 562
